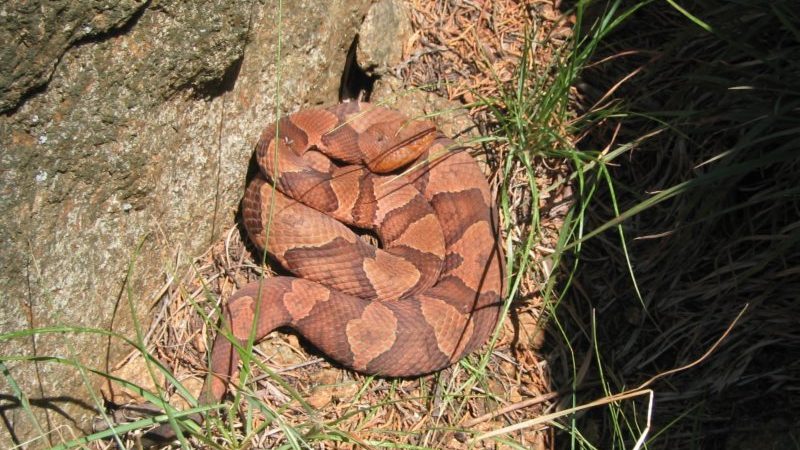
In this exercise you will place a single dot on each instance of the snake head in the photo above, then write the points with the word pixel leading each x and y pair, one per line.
pixel 392 144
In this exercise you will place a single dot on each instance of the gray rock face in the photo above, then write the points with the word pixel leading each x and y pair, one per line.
pixel 124 139
pixel 385 30
pixel 36 34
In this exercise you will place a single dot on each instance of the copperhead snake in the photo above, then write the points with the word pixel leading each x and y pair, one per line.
pixel 430 295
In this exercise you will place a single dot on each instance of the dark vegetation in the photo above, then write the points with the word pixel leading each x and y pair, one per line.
pixel 708 99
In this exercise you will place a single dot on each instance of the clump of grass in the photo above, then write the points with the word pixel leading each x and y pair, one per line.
pixel 708 203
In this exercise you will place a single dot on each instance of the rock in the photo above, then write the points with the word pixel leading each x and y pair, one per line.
pixel 282 352
pixel 37 33
pixel 135 371
pixel 194 386
pixel 324 384
pixel 123 147
pixel 385 30
pixel 328 387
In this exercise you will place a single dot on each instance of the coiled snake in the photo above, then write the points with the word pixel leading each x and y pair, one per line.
pixel 427 297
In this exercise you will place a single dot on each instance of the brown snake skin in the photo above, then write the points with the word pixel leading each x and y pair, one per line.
pixel 430 295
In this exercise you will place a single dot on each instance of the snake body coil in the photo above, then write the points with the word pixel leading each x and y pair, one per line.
pixel 428 297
